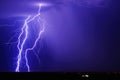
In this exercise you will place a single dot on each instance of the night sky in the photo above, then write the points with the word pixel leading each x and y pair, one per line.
pixel 81 35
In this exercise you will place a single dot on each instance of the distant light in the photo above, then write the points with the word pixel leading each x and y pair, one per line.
pixel 85 75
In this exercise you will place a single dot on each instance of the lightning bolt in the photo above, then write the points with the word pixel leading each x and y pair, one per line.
pixel 20 45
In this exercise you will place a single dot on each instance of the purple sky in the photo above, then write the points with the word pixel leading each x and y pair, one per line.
pixel 82 35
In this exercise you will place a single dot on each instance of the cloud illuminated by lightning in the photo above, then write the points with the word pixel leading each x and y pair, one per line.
pixel 21 43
